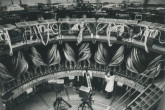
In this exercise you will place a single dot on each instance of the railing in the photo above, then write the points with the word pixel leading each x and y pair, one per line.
pixel 140 103
pixel 162 89
pixel 137 97
pixel 139 80
pixel 60 68
pixel 56 69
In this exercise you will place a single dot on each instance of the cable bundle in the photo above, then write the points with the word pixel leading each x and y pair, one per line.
pixel 53 56
pixel 81 30
pixel 112 27
pixel 154 67
pixel 101 55
pixel 109 29
pixel 53 29
pixel 84 52
pixel 1 35
pixel 46 29
pixel 4 73
pixel 118 57
pixel 69 53
pixel 135 61
pixel 4 36
pixel 42 30
pixel 81 27
pixel 36 58
pixel 117 28
pixel 149 33
pixel 19 65
pixel 35 31
pixel 27 32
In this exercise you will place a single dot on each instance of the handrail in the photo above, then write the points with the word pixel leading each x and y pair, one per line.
pixel 158 98
pixel 49 74
pixel 128 97
pixel 149 94
pixel 138 96
pixel 32 78
pixel 129 91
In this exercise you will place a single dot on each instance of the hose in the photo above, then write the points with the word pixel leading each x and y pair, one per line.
pixel 53 56
pixel 7 38
pixel 36 58
pixel 84 52
pixel 100 55
pixel 69 53
pixel 4 73
pixel 118 57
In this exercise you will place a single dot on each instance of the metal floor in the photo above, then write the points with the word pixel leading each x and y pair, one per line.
pixel 45 100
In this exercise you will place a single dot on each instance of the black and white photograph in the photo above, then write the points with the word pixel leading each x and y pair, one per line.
pixel 82 54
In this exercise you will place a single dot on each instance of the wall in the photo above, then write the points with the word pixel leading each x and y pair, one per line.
pixel 8 2
pixel 156 1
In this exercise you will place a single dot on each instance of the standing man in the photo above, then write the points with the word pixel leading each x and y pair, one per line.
pixel 110 79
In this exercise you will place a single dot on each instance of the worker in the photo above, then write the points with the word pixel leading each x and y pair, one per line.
pixel 110 79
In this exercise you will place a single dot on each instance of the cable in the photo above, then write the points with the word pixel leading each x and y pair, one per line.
pixel 7 37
